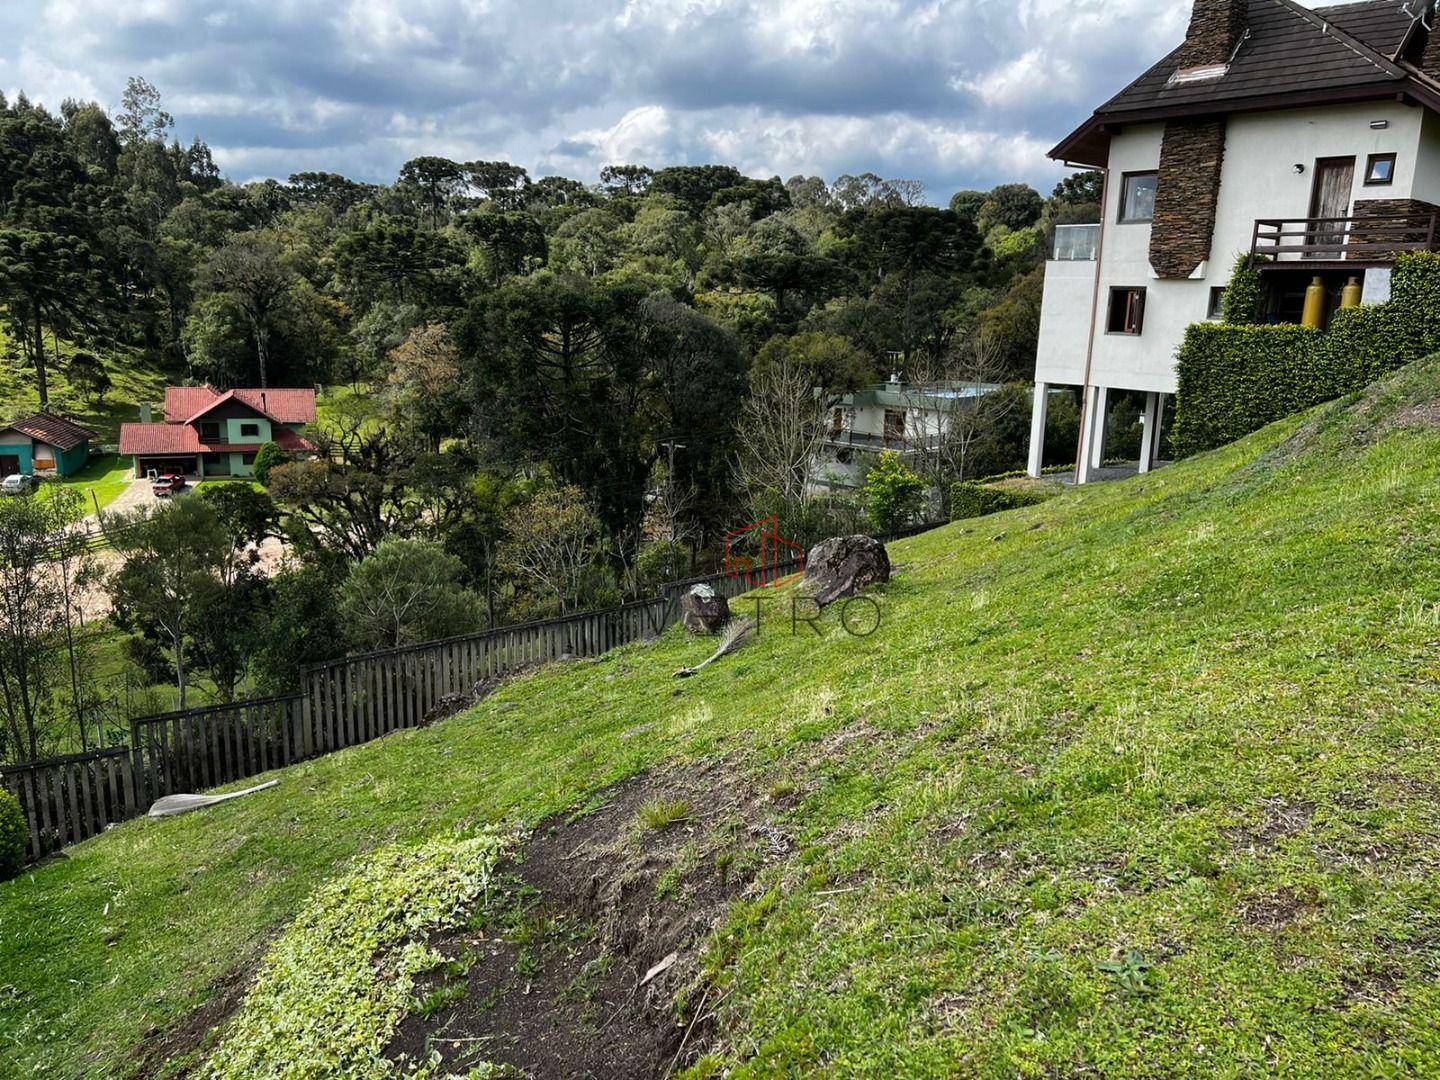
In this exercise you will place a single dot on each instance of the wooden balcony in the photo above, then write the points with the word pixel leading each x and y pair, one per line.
pixel 1348 241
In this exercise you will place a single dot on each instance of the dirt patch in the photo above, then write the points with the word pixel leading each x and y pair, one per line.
pixel 593 970
pixel 1425 414
pixel 1275 910
pixel 1280 819
pixel 178 1050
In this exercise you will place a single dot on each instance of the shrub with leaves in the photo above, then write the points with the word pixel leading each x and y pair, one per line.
pixel 334 987
pixel 893 494
pixel 268 457
pixel 14 836
pixel 971 500
pixel 1241 303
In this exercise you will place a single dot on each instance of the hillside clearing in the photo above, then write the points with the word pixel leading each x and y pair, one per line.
pixel 1139 781
pixel 135 381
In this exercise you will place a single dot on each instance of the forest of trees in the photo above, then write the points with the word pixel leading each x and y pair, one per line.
pixel 556 375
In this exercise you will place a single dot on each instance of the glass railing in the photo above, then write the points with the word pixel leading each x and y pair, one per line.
pixel 1076 243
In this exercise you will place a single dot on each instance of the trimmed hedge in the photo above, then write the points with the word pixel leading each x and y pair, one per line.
pixel 971 500
pixel 1236 379
pixel 1241 303
pixel 14 836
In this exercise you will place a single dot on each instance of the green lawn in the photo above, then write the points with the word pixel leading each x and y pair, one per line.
pixel 1138 782
pixel 102 480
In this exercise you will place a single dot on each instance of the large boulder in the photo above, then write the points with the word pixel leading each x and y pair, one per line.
pixel 842 566
pixel 703 610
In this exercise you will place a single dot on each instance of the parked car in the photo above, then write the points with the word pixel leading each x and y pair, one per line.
pixel 18 484
pixel 167 484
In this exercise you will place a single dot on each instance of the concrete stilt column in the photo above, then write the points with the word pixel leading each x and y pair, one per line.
pixel 1150 433
pixel 1092 437
pixel 1037 428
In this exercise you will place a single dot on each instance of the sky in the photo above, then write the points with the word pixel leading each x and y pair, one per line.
pixel 956 93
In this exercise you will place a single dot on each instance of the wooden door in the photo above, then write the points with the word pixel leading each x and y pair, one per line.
pixel 1330 198
pixel 894 426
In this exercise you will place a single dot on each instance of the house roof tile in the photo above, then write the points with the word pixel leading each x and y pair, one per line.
pixel 52 430
pixel 284 405
pixel 1328 53
pixel 148 439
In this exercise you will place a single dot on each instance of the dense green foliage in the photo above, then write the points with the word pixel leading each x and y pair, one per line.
pixel 969 499
pixel 14 836
pixel 1244 294
pixel 1234 379
pixel 407 591
pixel 320 1004
pixel 266 458
pixel 893 495
pixel 1138 782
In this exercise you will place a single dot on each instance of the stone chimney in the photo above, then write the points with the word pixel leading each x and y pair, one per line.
pixel 1430 57
pixel 1216 28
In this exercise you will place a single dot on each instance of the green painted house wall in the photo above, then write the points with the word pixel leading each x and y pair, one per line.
pixel 67 462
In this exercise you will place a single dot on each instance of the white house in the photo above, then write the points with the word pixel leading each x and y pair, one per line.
pixel 908 418
pixel 1310 138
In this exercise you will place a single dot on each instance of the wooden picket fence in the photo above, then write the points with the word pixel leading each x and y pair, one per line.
pixel 339 704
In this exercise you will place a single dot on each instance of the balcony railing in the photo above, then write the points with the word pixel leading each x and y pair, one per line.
pixel 1374 238
pixel 1076 243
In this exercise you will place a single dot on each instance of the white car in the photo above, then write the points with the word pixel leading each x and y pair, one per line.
pixel 17 484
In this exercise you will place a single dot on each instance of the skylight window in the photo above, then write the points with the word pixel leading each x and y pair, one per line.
pixel 1206 73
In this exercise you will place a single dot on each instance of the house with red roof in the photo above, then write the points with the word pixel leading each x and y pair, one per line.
pixel 44 443
pixel 217 433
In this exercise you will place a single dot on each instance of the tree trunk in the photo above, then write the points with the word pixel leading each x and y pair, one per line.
pixel 178 645
pixel 262 351
pixel 42 381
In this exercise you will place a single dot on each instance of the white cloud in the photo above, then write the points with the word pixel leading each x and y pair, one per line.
pixel 959 93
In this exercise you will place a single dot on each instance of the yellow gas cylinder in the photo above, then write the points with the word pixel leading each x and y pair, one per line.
pixel 1314 314
pixel 1350 295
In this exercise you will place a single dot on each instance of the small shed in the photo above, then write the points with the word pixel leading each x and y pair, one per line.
pixel 44 443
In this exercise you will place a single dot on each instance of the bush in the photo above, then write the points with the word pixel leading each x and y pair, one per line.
pixel 892 494
pixel 14 836
pixel 269 456
pixel 1235 379
pixel 659 563
pixel 1241 305
pixel 971 500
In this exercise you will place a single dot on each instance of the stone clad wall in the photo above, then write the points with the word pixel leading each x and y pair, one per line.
pixel 1186 192
pixel 1216 27
pixel 1417 209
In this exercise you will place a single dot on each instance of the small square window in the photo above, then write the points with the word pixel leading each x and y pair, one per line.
pixel 1137 197
pixel 1216 310
pixel 209 431
pixel 247 459
pixel 1127 311
pixel 1380 169
pixel 249 431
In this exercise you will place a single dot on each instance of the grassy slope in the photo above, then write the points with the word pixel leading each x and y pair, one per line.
pixel 134 383
pixel 1141 779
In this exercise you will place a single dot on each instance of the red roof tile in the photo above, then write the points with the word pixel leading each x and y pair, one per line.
pixel 146 439
pixel 52 430
pixel 286 405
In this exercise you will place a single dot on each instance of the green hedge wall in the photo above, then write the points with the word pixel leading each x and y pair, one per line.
pixel 1236 379
pixel 969 499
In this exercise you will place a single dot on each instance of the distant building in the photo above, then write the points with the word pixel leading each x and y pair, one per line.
pixel 908 418
pixel 1308 139
pixel 217 433
pixel 43 444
